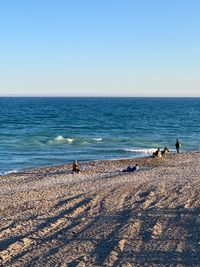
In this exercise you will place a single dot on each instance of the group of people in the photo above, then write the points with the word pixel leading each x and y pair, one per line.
pixel 158 153
pixel 76 168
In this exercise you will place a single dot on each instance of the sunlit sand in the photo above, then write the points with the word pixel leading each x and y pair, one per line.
pixel 103 217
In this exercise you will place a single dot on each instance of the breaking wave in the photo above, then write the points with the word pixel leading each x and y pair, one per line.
pixel 97 139
pixel 8 172
pixel 141 151
pixel 61 139
pixel 70 140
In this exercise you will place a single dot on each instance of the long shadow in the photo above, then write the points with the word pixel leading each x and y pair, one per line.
pixel 7 227
pixel 53 219
pixel 65 201
pixel 101 251
pixel 165 258
pixel 188 220
pixel 58 235
pixel 4 244
pixel 105 246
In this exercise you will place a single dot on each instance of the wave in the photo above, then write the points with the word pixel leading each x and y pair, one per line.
pixel 8 172
pixel 97 139
pixel 142 151
pixel 70 140
pixel 146 150
pixel 61 139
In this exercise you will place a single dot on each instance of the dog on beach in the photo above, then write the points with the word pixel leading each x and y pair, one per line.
pixel 165 151
pixel 157 153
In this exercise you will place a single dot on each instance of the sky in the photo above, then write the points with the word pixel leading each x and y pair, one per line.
pixel 100 48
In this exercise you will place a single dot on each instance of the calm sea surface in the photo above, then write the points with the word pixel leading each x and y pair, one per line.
pixel 49 131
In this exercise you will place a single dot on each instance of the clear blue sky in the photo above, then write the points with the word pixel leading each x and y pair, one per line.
pixel 100 47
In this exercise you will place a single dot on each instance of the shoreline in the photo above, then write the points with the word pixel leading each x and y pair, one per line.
pixel 101 216
pixel 85 163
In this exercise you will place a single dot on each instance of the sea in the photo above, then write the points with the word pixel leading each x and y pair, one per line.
pixel 47 131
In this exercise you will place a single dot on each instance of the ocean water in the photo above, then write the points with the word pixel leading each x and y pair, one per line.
pixel 38 132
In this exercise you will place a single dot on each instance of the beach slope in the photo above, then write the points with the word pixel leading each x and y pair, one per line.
pixel 101 216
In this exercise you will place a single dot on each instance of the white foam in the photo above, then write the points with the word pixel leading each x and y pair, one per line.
pixel 143 151
pixel 8 172
pixel 70 140
pixel 97 139
pixel 59 138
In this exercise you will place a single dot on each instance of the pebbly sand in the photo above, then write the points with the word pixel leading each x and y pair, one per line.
pixel 103 217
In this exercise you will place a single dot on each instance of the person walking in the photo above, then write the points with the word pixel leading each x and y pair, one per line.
pixel 177 145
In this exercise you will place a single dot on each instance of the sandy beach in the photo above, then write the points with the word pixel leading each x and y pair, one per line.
pixel 101 216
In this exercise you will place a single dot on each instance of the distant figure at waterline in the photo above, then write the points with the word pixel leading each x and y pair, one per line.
pixel 177 145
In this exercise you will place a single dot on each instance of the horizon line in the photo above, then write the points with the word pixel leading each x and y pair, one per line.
pixel 91 96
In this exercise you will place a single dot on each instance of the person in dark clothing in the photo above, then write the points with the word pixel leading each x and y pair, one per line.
pixel 76 167
pixel 131 169
pixel 177 145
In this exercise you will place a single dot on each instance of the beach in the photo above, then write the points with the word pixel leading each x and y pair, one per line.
pixel 102 216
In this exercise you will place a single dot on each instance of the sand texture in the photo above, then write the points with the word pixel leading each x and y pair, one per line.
pixel 103 217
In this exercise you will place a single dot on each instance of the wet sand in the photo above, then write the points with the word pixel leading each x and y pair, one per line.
pixel 101 216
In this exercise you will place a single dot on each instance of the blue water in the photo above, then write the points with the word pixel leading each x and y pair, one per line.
pixel 49 131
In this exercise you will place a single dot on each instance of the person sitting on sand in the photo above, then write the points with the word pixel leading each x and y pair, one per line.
pixel 157 153
pixel 76 167
pixel 131 169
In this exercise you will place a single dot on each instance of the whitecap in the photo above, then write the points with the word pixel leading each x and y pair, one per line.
pixel 97 139
pixel 59 138
pixel 70 140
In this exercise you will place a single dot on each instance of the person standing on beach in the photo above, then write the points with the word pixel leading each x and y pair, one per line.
pixel 177 145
